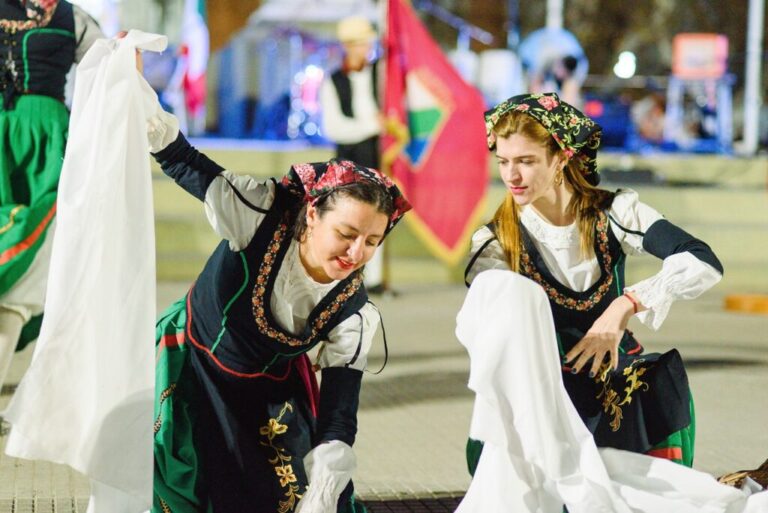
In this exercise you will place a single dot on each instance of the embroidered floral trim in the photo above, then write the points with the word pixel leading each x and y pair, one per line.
pixel 283 469
pixel 39 14
pixel 528 269
pixel 260 291
pixel 612 401
pixel 163 396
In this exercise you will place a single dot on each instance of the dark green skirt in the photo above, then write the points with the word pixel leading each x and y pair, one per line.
pixel 34 136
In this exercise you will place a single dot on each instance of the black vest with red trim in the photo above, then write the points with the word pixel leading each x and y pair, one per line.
pixel 36 60
pixel 231 319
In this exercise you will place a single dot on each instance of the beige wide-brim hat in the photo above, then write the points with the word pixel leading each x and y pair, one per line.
pixel 355 29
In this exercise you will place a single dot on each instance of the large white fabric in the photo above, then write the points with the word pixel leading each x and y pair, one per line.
pixel 87 399
pixel 538 455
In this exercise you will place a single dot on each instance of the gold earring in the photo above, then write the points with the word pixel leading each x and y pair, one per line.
pixel 559 177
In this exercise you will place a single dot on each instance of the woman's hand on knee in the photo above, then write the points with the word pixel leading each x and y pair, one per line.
pixel 594 347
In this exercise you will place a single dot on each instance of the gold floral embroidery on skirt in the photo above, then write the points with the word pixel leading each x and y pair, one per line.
pixel 165 395
pixel 612 400
pixel 165 507
pixel 11 219
pixel 281 461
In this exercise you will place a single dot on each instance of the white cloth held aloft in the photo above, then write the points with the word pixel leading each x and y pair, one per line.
pixel 538 455
pixel 87 399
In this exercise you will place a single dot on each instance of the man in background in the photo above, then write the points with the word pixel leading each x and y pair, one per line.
pixel 351 115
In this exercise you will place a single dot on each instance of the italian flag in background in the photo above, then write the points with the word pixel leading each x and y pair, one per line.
pixel 195 49
pixel 435 144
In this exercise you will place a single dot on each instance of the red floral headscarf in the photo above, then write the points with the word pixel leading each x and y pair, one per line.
pixel 312 181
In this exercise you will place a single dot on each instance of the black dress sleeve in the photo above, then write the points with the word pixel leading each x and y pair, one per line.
pixel 339 401
pixel 189 168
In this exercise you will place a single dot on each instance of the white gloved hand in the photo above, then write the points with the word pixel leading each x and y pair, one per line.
pixel 329 467
pixel 162 129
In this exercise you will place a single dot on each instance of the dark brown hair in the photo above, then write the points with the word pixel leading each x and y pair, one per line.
pixel 365 191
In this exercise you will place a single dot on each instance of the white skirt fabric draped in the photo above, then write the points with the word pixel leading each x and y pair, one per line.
pixel 538 454
pixel 87 398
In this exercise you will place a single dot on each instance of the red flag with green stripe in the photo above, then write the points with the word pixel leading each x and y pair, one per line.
pixel 435 146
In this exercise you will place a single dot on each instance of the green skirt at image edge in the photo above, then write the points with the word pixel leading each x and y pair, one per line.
pixel 34 136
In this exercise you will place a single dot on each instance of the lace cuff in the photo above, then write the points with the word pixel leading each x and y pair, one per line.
pixel 329 467
pixel 682 276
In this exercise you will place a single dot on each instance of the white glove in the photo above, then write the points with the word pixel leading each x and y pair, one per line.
pixel 329 468
pixel 162 129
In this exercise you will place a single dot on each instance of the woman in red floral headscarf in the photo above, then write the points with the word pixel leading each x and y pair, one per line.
pixel 241 425
pixel 558 228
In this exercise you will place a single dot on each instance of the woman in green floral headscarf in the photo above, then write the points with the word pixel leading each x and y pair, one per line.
pixel 558 228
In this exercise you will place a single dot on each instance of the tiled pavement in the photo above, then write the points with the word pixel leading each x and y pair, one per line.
pixel 414 416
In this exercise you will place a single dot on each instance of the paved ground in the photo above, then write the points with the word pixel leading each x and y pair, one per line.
pixel 414 416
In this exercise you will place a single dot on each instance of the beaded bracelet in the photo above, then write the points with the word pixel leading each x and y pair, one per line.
pixel 631 300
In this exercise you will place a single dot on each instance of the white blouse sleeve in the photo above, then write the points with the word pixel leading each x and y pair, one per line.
pixel 162 128
pixel 349 343
pixel 329 467
pixel 682 276
pixel 236 205
pixel 87 31
pixel 485 253
pixel 630 219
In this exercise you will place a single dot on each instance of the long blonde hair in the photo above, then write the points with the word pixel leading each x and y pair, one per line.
pixel 585 205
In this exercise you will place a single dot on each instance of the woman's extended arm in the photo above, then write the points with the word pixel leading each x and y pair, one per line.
pixel 234 204
pixel 690 267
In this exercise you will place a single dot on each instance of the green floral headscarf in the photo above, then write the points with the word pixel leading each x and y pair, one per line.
pixel 576 134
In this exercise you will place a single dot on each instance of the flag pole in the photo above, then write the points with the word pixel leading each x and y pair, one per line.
pixel 382 78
